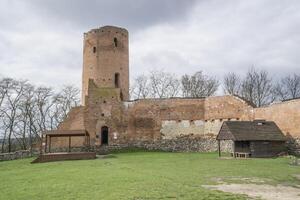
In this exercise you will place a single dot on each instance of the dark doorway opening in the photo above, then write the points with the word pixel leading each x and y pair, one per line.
pixel 117 80
pixel 104 135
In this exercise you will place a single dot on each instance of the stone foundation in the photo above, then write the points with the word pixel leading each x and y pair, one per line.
pixel 15 155
pixel 180 144
pixel 293 146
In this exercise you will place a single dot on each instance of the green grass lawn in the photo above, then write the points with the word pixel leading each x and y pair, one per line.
pixel 139 175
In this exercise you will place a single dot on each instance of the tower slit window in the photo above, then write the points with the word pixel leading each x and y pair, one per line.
pixel 94 49
pixel 117 80
pixel 116 42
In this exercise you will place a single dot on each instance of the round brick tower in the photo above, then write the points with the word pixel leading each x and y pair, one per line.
pixel 106 60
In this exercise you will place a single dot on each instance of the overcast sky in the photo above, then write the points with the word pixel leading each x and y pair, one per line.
pixel 41 40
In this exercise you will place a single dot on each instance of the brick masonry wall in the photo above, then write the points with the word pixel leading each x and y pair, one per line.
pixel 152 119
pixel 103 58
pixel 169 119
pixel 287 117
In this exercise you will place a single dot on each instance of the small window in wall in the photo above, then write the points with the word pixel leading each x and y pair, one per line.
pixel 117 80
pixel 94 49
pixel 116 42
pixel 121 96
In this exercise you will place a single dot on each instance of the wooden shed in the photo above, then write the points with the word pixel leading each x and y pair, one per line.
pixel 257 138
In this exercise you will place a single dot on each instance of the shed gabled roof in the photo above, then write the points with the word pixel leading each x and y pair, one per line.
pixel 250 131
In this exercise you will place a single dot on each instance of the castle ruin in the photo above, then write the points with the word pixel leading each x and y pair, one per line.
pixel 173 124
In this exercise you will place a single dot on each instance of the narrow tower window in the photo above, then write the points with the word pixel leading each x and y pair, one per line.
pixel 116 42
pixel 94 49
pixel 121 96
pixel 117 80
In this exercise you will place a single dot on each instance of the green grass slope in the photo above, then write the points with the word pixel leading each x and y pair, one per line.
pixel 139 175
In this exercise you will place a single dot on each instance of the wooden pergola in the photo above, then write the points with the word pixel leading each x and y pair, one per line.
pixel 65 133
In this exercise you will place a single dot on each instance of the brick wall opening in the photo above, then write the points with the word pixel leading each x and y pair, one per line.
pixel 116 42
pixel 117 80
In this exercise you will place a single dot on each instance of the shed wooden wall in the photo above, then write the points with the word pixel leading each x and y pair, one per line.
pixel 266 148
pixel 242 146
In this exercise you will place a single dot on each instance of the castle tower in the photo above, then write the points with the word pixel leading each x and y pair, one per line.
pixel 106 60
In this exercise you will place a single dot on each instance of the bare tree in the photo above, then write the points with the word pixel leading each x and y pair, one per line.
pixel 62 102
pixel 12 105
pixel 5 85
pixel 288 87
pixel 257 87
pixel 232 84
pixel 141 88
pixel 199 85
pixel 163 85
pixel 26 111
pixel 44 97
pixel 27 130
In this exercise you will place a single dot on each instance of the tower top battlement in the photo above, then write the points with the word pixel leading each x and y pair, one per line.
pixel 105 29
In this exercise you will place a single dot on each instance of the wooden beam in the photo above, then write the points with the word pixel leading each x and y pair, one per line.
pixel 69 143
pixel 42 141
pixel 219 148
pixel 233 149
pixel 46 144
pixel 49 144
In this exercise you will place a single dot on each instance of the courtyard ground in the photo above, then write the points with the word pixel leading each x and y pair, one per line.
pixel 147 175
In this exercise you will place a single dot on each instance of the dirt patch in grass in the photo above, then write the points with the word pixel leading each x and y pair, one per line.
pixel 267 192
pixel 242 180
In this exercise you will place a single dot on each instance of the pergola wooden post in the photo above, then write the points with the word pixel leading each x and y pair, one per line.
pixel 219 148
pixel 233 148
pixel 46 144
pixel 69 144
pixel 49 144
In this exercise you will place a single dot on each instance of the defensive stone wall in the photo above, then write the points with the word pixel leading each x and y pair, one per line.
pixel 74 120
pixel 287 117
pixel 180 144
pixel 15 155
pixel 227 107
pixel 285 114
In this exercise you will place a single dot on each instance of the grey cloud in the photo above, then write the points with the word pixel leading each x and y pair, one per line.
pixel 133 14
pixel 42 40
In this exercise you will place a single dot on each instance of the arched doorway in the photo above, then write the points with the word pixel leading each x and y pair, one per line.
pixel 104 135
